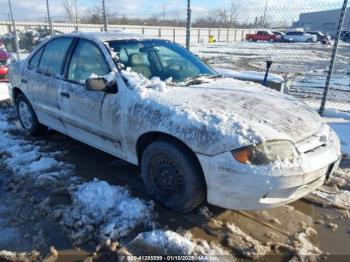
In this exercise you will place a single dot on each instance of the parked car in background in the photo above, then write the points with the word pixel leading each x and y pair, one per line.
pixel 321 37
pixel 5 60
pixel 281 34
pixel 299 36
pixel 263 36
pixel 30 38
pixel 195 134
pixel 345 36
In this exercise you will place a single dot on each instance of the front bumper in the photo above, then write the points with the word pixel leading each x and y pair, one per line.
pixel 244 187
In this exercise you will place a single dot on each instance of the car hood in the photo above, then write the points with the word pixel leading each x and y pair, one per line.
pixel 241 112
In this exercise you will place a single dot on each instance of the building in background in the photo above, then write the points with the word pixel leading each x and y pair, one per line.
pixel 325 21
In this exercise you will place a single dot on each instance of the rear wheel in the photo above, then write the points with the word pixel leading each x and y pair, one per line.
pixel 173 176
pixel 27 116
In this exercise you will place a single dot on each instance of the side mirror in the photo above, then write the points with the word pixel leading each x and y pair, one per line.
pixel 101 84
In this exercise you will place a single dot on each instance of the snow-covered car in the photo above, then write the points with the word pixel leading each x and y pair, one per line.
pixel 194 134
pixel 299 36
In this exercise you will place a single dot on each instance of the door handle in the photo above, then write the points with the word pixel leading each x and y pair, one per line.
pixel 65 95
pixel 24 81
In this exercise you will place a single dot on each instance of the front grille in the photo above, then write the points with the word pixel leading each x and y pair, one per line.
pixel 3 76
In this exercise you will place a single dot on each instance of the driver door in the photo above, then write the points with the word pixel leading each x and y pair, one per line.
pixel 90 116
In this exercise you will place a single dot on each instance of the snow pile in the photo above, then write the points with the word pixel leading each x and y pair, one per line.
pixel 108 211
pixel 245 244
pixel 141 83
pixel 305 247
pixel 27 158
pixel 337 198
pixel 165 242
pixel 109 77
pixel 13 256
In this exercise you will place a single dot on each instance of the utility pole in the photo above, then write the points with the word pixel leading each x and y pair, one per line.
pixel 333 57
pixel 188 26
pixel 265 11
pixel 105 21
pixel 16 46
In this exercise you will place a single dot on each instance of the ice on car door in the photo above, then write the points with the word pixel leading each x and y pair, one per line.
pixel 82 109
pixel 46 74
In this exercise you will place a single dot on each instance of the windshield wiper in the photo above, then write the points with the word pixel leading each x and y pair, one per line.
pixel 200 79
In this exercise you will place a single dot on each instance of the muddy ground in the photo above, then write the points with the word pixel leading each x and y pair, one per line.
pixel 29 221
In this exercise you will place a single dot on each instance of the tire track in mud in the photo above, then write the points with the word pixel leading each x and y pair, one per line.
pixel 247 234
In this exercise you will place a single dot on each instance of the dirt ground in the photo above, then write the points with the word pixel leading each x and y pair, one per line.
pixel 29 220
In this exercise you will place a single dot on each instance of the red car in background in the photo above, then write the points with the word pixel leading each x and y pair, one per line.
pixel 263 36
pixel 5 59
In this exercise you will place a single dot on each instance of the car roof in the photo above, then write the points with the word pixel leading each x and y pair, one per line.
pixel 108 36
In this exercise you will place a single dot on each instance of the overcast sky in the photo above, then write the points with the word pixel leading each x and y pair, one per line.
pixel 29 9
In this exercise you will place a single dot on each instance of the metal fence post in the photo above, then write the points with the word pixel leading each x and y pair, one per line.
pixel 49 21
pixel 174 35
pixel 16 39
pixel 16 45
pixel 188 25
pixel 333 57
pixel 105 20
pixel 51 27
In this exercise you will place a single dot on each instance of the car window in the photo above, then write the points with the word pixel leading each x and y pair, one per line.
pixel 87 60
pixel 53 55
pixel 34 61
pixel 174 65
pixel 158 58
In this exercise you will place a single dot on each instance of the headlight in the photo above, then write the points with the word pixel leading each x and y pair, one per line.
pixel 265 153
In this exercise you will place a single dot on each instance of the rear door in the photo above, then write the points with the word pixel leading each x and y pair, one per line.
pixel 44 76
pixel 93 117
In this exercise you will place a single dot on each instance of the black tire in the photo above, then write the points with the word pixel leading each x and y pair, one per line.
pixel 31 123
pixel 173 176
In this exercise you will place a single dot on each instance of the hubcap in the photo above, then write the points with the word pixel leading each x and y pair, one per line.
pixel 168 178
pixel 25 115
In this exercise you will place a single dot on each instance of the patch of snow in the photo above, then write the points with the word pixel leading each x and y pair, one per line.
pixel 141 83
pixel 249 75
pixel 108 210
pixel 4 94
pixel 305 247
pixel 245 244
pixel 165 242
pixel 27 158
pixel 339 199
pixel 342 128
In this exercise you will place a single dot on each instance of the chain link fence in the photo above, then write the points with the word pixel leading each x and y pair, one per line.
pixel 238 36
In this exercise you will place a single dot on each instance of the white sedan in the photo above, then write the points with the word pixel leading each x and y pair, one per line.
pixel 195 134
pixel 297 36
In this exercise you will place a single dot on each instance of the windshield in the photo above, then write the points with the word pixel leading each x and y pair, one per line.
pixel 160 58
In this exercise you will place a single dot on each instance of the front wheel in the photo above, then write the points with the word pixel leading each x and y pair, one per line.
pixel 27 116
pixel 173 176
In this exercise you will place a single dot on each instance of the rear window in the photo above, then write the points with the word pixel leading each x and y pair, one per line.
pixel 34 61
pixel 53 56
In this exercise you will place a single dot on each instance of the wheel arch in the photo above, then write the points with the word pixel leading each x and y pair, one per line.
pixel 15 92
pixel 147 138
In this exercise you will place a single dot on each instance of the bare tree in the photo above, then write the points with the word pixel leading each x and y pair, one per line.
pixel 227 17
pixel 71 9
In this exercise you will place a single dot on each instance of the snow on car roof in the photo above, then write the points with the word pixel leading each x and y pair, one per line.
pixel 109 36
